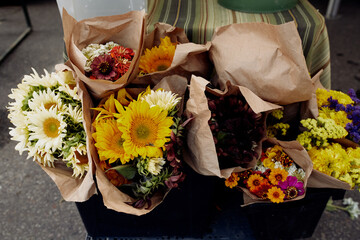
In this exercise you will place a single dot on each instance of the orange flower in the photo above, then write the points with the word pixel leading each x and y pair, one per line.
pixel 277 174
pixel 232 181
pixel 115 178
pixel 254 181
pixel 276 195
pixel 262 190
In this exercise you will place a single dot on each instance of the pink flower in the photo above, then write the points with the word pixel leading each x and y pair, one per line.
pixel 292 187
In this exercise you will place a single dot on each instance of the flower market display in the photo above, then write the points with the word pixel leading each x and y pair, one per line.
pixel 107 61
pixel 158 58
pixel 276 177
pixel 139 143
pixel 47 114
pixel 236 130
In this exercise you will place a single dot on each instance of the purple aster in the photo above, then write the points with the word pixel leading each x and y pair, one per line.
pixel 353 96
pixel 103 67
pixel 292 187
pixel 334 104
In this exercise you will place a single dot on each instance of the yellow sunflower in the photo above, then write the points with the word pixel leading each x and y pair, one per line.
pixel 277 175
pixel 145 130
pixel 276 195
pixel 158 58
pixel 109 141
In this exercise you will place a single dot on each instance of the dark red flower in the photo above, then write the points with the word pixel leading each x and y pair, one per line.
pixel 103 67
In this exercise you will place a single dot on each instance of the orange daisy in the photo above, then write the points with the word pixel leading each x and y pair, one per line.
pixel 276 195
pixel 277 175
pixel 232 181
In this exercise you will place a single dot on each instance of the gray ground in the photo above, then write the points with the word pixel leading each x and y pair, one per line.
pixel 30 204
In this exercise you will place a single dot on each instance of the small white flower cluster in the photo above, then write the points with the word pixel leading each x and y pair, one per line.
pixel 39 115
pixel 94 50
pixel 352 207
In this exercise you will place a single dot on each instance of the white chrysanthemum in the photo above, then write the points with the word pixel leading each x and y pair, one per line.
pixel 47 127
pixel 260 168
pixel 164 99
pixel 79 169
pixel 41 155
pixel 70 91
pixel 301 173
pixel 46 98
pixel 75 113
pixel 65 78
pixel 21 135
pixel 47 80
pixel 155 165
pixel 278 165
pixel 292 170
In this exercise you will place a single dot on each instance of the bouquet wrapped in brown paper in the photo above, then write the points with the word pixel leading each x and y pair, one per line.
pixel 280 175
pixel 104 51
pixel 267 59
pixel 331 137
pixel 167 51
pixel 219 143
pixel 137 142
pixel 50 126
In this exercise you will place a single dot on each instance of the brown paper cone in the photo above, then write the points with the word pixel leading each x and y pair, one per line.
pixel 189 58
pixel 300 156
pixel 113 198
pixel 127 30
pixel 201 154
pixel 267 59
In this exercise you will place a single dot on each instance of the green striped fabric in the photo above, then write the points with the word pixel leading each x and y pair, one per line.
pixel 199 19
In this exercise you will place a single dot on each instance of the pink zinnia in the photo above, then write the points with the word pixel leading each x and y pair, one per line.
pixel 103 67
pixel 292 187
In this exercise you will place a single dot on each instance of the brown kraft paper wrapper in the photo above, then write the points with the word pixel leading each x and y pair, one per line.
pixel 113 198
pixel 300 156
pixel 74 189
pixel 201 153
pixel 267 59
pixel 189 58
pixel 127 29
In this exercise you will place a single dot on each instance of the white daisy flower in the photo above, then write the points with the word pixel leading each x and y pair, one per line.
pixel 164 99
pixel 155 165
pixel 41 156
pixel 79 169
pixel 46 98
pixel 75 113
pixel 21 135
pixel 70 91
pixel 47 80
pixel 47 127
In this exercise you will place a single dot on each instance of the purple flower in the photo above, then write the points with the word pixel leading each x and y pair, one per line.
pixel 103 67
pixel 292 187
pixel 353 96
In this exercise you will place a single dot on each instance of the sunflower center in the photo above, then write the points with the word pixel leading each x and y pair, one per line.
pixel 105 68
pixel 162 64
pixel 291 192
pixel 144 132
pixel 51 127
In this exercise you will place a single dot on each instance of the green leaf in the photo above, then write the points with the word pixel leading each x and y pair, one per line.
pixel 128 171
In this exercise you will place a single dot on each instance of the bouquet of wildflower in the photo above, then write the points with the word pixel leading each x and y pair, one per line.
pixel 105 48
pixel 277 176
pixel 167 51
pixel 108 61
pixel 48 119
pixel 227 129
pixel 334 157
pixel 138 142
